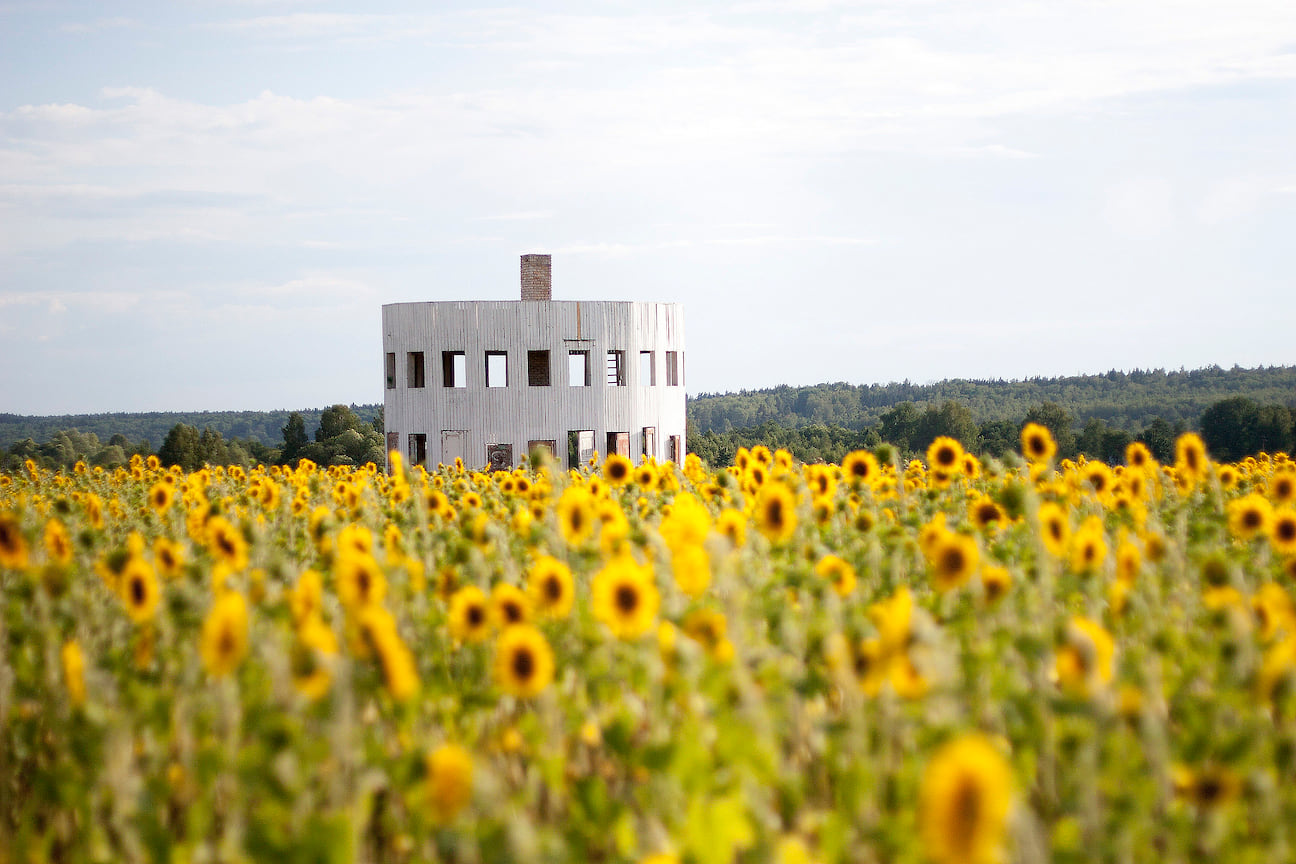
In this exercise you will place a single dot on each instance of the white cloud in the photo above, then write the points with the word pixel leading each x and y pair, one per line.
pixel 1140 206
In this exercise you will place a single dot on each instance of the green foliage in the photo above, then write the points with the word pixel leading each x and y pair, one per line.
pixel 1233 428
pixel 1122 400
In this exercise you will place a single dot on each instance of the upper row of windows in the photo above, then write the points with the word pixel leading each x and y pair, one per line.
pixel 454 369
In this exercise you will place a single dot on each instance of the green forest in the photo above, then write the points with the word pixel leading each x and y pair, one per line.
pixel 1238 412
pixel 1122 400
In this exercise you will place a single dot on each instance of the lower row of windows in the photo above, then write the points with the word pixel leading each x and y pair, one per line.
pixel 581 446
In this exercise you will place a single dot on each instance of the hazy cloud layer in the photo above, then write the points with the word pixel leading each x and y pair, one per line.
pixel 204 205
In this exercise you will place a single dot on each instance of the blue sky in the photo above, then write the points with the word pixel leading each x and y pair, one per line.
pixel 204 204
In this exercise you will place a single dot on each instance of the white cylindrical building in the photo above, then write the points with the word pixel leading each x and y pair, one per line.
pixel 489 381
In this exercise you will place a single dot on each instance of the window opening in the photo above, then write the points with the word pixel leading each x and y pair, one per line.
pixel 578 369
pixel 647 369
pixel 454 369
pixel 391 370
pixel 672 368
pixel 414 374
pixel 616 368
pixel 580 447
pixel 496 368
pixel 538 368
pixel 618 443
pixel 650 441
pixel 499 457
pixel 417 448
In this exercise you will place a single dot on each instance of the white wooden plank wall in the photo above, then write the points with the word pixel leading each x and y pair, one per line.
pixel 520 413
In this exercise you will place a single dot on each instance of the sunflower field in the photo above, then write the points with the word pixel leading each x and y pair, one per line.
pixel 942 661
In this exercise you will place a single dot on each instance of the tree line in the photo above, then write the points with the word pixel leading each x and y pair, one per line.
pixel 342 436
pixel 1231 428
pixel 1121 400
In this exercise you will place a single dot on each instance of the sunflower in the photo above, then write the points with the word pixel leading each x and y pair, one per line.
pixel 509 605
pixel 309 659
pixel 837 571
pixel 861 467
pixel 13 548
pixel 305 599
pixel 360 581
pixel 1191 462
pixel 776 513
pixel 1282 486
pixel 139 589
pixel 1129 560
pixel 708 628
pixel 945 454
pixel 1099 477
pixel 1282 530
pixel 995 582
pixel 160 497
pixel 1088 546
pixel 400 673
pixel 1084 662
pixel 224 640
pixel 227 543
pixel 524 662
pixel 963 802
pixel 469 615
pixel 576 515
pixel 449 782
pixel 73 662
pixel 355 538
pixel 58 544
pixel 953 560
pixel 625 598
pixel 733 524
pixel 645 477
pixel 691 567
pixel 1250 516
pixel 1037 443
pixel 1138 456
pixel 1055 529
pixel 1211 787
pixel 550 585
pixel 617 470
pixel 987 515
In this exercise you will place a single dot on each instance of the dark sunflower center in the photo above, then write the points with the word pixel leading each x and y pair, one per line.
pixel 774 513
pixel 1286 530
pixel 617 471
pixel 137 591
pixel 1209 790
pixel 475 616
pixel 627 599
pixel 226 644
pixel 576 520
pixel 1055 530
pixel 225 543
pixel 552 589
pixel 952 560
pixel 965 814
pixel 1251 519
pixel 945 456
pixel 523 664
pixel 512 612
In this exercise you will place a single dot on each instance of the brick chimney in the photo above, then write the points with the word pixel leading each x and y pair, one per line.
pixel 537 277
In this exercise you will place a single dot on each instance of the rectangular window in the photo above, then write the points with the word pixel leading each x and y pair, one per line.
pixel 417 448
pixel 391 370
pixel 647 369
pixel 672 369
pixel 393 443
pixel 496 368
pixel 650 441
pixel 453 443
pixel 538 368
pixel 547 444
pixel 414 369
pixel 580 447
pixel 618 443
pixel 616 369
pixel 675 450
pixel 454 369
pixel 578 371
pixel 499 457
